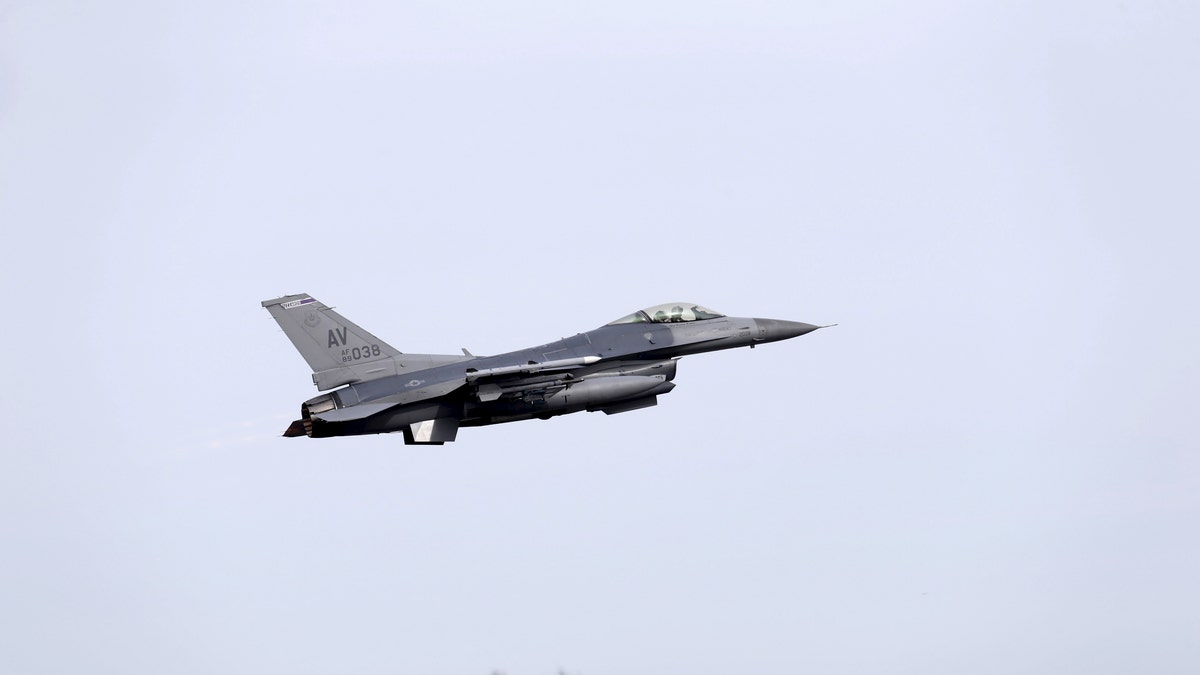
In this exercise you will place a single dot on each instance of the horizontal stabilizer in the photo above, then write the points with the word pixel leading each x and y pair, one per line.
pixel 354 412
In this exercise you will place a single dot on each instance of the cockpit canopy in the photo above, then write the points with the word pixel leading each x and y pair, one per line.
pixel 672 312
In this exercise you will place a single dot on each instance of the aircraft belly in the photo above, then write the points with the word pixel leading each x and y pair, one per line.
pixel 400 418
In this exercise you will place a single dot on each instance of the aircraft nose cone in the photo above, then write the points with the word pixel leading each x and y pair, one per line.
pixel 770 330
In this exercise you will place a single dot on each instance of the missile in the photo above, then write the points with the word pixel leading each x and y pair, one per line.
pixel 473 375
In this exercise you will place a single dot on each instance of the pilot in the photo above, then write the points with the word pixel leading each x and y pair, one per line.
pixel 676 314
pixel 660 316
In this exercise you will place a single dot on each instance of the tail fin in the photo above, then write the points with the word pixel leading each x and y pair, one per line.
pixel 323 337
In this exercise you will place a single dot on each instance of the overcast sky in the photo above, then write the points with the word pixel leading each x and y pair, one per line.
pixel 990 466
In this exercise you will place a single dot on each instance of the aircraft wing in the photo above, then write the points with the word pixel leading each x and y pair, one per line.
pixel 366 409
pixel 481 380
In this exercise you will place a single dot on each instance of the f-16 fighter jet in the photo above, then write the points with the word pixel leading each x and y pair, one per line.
pixel 621 366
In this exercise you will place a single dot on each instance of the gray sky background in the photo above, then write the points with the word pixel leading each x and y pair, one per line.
pixel 990 466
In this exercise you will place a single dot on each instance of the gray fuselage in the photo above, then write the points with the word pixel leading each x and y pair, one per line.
pixel 632 364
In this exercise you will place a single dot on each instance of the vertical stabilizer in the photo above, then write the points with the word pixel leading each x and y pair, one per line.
pixel 323 337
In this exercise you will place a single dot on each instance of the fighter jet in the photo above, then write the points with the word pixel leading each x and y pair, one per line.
pixel 623 365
